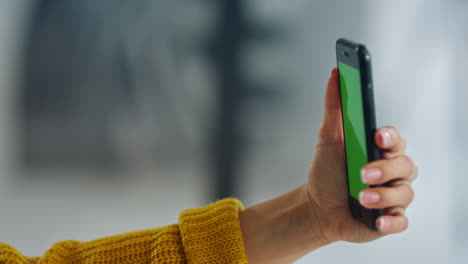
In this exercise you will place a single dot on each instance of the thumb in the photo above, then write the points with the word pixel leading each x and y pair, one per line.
pixel 331 130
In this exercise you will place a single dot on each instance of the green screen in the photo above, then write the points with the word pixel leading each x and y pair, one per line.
pixel 354 129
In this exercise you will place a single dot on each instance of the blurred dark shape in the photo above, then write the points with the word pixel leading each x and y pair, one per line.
pixel 234 31
pixel 93 68
pixel 66 100
pixel 104 83
pixel 228 144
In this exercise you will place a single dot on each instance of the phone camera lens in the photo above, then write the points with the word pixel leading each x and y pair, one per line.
pixel 346 54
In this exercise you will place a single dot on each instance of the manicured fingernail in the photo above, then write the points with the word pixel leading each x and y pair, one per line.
pixel 382 224
pixel 385 137
pixel 369 197
pixel 333 70
pixel 370 175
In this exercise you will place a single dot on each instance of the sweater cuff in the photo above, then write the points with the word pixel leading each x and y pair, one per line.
pixel 212 234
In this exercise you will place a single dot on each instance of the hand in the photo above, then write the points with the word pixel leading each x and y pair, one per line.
pixel 327 186
pixel 289 226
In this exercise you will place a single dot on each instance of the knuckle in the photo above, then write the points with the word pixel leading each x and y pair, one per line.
pixel 404 164
pixel 396 211
pixel 401 195
pixel 411 193
pixel 405 194
pixel 389 167
pixel 405 223
pixel 410 161
pixel 406 158
pixel 389 197
pixel 413 169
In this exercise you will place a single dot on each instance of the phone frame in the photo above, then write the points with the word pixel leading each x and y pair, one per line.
pixel 358 56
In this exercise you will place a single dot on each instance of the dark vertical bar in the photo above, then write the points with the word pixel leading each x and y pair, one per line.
pixel 227 136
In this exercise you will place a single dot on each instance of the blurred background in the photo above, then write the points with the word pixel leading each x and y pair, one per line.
pixel 117 115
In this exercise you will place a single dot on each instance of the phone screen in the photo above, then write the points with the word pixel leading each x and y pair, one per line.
pixel 354 127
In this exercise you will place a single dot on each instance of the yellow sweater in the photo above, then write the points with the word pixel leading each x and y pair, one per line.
pixel 210 234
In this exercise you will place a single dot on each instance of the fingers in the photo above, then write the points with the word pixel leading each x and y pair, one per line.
pixel 400 168
pixel 396 171
pixel 391 224
pixel 389 139
pixel 386 197
pixel 395 211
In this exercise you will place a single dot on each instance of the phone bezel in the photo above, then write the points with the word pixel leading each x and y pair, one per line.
pixel 357 55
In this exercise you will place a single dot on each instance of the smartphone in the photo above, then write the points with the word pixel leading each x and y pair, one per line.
pixel 359 125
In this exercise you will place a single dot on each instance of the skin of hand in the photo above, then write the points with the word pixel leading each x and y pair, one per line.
pixel 290 226
pixel 327 186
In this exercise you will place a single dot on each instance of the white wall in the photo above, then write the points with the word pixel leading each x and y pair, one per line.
pixel 419 56
pixel 419 69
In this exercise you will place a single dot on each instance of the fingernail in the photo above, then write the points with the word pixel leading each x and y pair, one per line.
pixel 370 175
pixel 382 224
pixel 385 137
pixel 369 197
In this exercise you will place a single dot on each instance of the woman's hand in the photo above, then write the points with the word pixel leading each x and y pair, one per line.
pixel 327 187
pixel 291 225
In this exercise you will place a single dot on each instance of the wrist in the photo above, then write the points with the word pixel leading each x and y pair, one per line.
pixel 313 216
pixel 324 221
pixel 283 229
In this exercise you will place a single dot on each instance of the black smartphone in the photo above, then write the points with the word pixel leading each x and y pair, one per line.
pixel 359 126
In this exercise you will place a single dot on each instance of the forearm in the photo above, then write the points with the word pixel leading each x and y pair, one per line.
pixel 281 230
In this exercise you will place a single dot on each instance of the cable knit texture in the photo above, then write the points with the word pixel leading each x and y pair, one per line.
pixel 210 234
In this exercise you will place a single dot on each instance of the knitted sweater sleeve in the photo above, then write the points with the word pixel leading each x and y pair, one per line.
pixel 209 234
